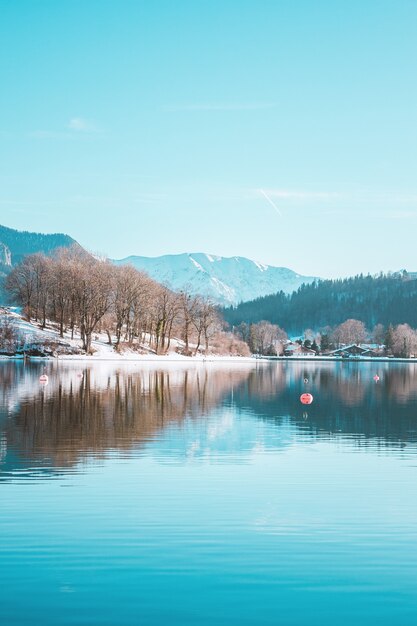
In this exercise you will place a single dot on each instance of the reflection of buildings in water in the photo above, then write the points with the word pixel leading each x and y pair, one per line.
pixel 346 399
pixel 350 382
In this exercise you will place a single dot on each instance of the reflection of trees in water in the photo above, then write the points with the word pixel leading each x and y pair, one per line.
pixel 265 382
pixel 126 410
pixel 73 417
pixel 346 399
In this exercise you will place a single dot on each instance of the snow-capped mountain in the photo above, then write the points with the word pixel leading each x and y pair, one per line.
pixel 226 280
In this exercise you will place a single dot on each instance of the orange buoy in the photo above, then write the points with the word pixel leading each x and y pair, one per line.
pixel 306 398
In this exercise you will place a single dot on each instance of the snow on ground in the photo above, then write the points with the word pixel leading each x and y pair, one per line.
pixel 103 351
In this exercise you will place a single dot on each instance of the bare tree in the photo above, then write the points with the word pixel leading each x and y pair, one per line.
pixel 404 341
pixel 350 331
pixel 165 310
pixel 188 306
pixel 123 297
pixel 78 291
pixel 61 293
pixel 309 335
pixel 242 331
pixel 65 269
pixel 266 338
pixel 22 282
pixel 93 297
pixel 206 321
pixel 378 334
pixel 10 337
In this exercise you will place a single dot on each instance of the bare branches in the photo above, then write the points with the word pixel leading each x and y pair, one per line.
pixel 84 294
pixel 351 331
pixel 266 338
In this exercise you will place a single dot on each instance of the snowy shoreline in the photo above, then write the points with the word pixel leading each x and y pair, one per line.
pixel 105 352
pixel 178 358
pixel 136 358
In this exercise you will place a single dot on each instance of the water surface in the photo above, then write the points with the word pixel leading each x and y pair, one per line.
pixel 208 494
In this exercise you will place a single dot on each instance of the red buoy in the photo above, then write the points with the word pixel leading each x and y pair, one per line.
pixel 376 378
pixel 306 398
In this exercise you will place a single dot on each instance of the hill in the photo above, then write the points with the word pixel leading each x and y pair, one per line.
pixel 384 299
pixel 15 244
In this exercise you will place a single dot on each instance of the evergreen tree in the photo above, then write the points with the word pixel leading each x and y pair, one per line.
pixel 389 339
pixel 325 343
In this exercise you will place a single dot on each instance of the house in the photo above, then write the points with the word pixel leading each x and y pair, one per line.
pixel 354 350
pixel 295 349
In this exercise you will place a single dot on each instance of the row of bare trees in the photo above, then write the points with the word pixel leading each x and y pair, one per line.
pixel 85 295
pixel 269 339
pixel 262 338
pixel 398 341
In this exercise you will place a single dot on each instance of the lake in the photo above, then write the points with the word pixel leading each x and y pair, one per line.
pixel 207 494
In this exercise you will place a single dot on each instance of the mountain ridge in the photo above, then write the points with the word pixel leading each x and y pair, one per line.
pixel 227 280
pixel 16 244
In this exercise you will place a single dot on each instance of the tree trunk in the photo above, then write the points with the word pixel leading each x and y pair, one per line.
pixel 61 323
pixel 198 342
pixel 87 341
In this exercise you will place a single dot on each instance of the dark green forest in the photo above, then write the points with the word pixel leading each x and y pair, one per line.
pixel 22 243
pixel 383 299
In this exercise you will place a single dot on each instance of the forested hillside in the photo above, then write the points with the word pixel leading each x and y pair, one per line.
pixel 383 299
pixel 21 243
pixel 16 244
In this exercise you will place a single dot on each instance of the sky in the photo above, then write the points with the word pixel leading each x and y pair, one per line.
pixel 284 131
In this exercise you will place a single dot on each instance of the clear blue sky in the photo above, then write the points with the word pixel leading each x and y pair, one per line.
pixel 151 127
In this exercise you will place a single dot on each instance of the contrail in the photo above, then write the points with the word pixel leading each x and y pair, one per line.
pixel 265 195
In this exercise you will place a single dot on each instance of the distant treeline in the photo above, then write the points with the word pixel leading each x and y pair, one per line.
pixel 383 299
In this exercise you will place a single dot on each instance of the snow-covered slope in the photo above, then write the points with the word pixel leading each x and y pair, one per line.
pixel 226 280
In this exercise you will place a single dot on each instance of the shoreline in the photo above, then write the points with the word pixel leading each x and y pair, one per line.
pixel 338 359
pixel 176 358
pixel 133 359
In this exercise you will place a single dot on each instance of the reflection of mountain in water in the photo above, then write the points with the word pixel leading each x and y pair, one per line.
pixel 196 411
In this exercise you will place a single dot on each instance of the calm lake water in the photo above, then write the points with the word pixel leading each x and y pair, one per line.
pixel 207 494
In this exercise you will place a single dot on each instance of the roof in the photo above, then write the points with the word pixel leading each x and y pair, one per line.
pixel 350 347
